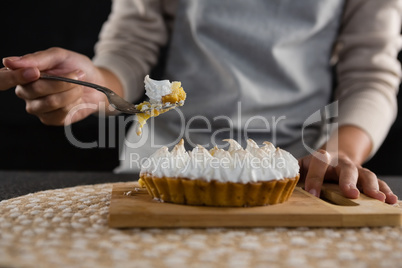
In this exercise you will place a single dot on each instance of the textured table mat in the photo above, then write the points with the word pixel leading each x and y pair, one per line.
pixel 68 228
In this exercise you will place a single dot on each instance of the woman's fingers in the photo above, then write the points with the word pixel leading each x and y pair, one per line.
pixel 348 175
pixel 42 88
pixel 390 197
pixel 42 60
pixel 369 183
pixel 26 69
pixel 316 172
pixel 57 117
pixel 53 102
pixel 322 166
pixel 50 100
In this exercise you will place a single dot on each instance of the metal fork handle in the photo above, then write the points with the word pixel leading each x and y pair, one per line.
pixel 108 92
pixel 115 100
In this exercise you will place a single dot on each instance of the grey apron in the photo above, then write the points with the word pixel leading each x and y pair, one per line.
pixel 251 69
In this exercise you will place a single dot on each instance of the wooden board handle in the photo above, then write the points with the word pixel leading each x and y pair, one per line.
pixel 335 197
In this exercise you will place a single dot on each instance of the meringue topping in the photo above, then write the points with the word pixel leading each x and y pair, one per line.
pixel 156 89
pixel 236 164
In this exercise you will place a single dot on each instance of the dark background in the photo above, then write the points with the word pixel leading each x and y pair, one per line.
pixel 29 26
pixel 27 144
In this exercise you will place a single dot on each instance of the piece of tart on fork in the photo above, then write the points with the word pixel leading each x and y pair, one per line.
pixel 163 96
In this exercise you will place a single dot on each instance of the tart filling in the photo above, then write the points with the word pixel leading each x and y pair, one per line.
pixel 161 94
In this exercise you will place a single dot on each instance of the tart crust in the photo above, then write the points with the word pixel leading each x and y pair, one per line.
pixel 214 193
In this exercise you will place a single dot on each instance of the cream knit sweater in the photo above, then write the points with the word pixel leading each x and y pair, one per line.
pixel 365 53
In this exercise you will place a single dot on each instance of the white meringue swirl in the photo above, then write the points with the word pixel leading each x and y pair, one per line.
pixel 252 164
pixel 156 89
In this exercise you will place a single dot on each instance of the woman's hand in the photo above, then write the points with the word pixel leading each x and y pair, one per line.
pixel 51 101
pixel 343 167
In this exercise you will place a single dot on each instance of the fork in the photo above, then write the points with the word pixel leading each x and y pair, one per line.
pixel 115 100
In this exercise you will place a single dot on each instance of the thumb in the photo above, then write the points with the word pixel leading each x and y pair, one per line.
pixel 11 78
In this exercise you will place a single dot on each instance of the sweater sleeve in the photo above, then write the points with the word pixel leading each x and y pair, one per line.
pixel 368 71
pixel 129 42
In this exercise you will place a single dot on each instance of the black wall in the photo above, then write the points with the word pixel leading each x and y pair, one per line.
pixel 29 26
pixel 27 144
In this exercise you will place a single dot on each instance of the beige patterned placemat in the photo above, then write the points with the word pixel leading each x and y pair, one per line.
pixel 68 228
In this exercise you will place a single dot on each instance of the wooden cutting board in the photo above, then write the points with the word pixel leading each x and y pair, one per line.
pixel 131 206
